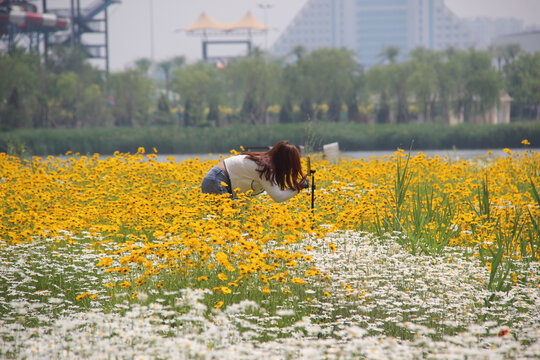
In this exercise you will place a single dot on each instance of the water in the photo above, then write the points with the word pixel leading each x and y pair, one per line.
pixel 452 154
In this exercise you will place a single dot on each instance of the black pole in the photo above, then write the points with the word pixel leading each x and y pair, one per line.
pixel 312 189
pixel 312 173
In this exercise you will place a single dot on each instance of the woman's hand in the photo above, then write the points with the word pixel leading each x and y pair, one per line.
pixel 304 183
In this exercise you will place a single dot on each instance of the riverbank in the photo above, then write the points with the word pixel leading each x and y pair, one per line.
pixel 351 137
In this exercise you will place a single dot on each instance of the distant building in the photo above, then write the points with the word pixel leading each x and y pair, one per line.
pixel 528 41
pixel 367 27
pixel 483 30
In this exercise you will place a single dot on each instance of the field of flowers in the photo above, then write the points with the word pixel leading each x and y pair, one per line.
pixel 403 257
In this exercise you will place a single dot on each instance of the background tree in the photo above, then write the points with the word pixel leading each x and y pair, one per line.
pixel 133 97
pixel 168 65
pixel 471 84
pixel 356 94
pixel 423 80
pixel 325 76
pixel 379 80
pixel 19 89
pixel 399 76
pixel 162 115
pixel 389 54
pixel 504 53
pixel 65 92
pixel 450 85
pixel 483 84
pixel 522 79
pixel 69 92
pixel 75 90
pixel 255 81
pixel 165 67
pixel 143 65
pixel 198 85
pixel 298 90
pixel 94 110
pixel 298 51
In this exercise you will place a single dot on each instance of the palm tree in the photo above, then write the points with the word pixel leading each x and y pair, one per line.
pixel 143 65
pixel 299 51
pixel 390 53
pixel 166 66
pixel 506 53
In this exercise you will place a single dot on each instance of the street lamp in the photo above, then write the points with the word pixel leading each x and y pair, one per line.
pixel 152 30
pixel 265 6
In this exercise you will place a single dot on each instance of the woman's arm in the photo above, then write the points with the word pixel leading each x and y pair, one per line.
pixel 276 193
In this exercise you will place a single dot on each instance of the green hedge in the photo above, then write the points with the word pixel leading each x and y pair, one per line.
pixel 351 137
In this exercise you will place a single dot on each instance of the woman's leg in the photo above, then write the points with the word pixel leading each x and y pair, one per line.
pixel 213 182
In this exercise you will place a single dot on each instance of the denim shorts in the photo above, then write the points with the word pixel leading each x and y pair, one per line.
pixel 211 183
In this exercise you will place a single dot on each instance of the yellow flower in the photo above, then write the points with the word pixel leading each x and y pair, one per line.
pixel 265 290
pixel 140 150
pixel 106 261
pixel 222 276
pixel 525 142
pixel 221 257
pixel 82 296
pixel 327 294
pixel 125 284
pixel 219 304
pixel 146 214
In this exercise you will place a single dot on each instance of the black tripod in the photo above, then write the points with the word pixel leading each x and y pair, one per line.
pixel 312 173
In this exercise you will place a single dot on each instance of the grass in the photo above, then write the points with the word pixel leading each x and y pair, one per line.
pixel 351 137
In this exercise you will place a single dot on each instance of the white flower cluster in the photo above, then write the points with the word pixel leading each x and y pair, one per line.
pixel 385 304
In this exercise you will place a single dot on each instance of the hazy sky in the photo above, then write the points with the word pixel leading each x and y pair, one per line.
pixel 130 22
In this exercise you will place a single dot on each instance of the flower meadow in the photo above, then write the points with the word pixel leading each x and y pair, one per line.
pixel 403 257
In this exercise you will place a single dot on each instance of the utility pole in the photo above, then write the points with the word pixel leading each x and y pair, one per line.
pixel 152 30
pixel 265 7
pixel 45 37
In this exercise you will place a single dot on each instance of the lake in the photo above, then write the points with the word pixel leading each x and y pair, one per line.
pixel 452 154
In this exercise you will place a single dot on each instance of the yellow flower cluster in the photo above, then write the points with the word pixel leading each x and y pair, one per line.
pixel 150 216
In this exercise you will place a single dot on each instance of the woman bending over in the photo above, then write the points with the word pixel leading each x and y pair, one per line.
pixel 277 171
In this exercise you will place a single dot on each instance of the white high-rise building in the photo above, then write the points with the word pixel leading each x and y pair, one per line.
pixel 485 30
pixel 367 27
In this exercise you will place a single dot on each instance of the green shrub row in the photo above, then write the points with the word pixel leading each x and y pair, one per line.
pixel 351 137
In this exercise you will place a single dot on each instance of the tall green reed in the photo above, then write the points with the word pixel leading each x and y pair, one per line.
pixel 423 217
pixel 532 240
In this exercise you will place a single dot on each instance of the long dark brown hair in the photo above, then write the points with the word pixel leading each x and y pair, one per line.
pixel 280 165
